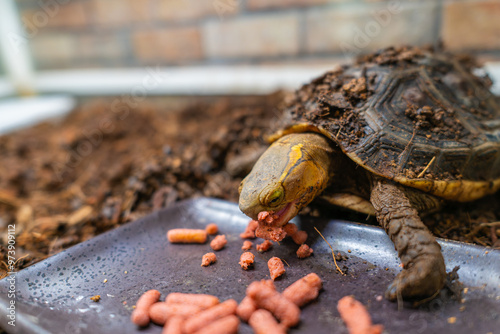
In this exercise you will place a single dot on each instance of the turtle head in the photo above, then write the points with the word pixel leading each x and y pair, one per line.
pixel 288 176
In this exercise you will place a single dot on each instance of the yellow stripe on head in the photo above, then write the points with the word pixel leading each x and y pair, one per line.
pixel 294 156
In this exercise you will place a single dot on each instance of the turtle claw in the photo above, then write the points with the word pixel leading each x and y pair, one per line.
pixel 421 280
pixel 392 291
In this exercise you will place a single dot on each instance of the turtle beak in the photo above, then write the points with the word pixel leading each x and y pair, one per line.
pixel 250 209
pixel 249 200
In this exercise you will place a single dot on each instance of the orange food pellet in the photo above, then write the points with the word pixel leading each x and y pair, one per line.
pixel 161 312
pixel 263 215
pixel 263 322
pixel 246 260
pixel 226 325
pixel 303 290
pixel 140 315
pixel 247 245
pixel 265 246
pixel 187 236
pixel 210 315
pixel 270 233
pixel 246 308
pixel 276 267
pixel 208 259
pixel 173 326
pixel 250 230
pixel 268 283
pixel 248 305
pixel 219 242
pixel 198 299
pixel 290 229
pixel 356 317
pixel 304 251
pixel 265 297
pixel 212 229
pixel 300 237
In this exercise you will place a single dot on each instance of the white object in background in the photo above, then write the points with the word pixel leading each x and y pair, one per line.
pixel 14 49
pixel 16 113
pixel 6 88
pixel 189 80
pixel 493 70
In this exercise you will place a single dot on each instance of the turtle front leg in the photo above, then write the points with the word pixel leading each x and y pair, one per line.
pixel 423 264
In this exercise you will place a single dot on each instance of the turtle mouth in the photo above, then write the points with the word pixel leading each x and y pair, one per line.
pixel 271 222
pixel 285 214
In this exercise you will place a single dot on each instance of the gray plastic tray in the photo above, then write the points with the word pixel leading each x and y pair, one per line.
pixel 53 296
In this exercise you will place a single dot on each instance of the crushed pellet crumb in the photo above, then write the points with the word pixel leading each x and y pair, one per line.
pixel 208 259
pixel 273 233
pixel 304 251
pixel 247 245
pixel 246 260
pixel 219 242
pixel 250 230
pixel 276 267
pixel 265 246
pixel 212 229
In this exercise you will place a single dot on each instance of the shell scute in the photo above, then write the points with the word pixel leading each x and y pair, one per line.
pixel 423 120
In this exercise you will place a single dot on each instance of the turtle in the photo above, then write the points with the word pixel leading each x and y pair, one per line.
pixel 395 134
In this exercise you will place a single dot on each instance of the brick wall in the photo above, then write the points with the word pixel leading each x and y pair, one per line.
pixel 131 33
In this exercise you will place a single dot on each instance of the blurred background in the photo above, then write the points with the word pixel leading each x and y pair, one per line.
pixel 80 34
pixel 171 99
pixel 95 47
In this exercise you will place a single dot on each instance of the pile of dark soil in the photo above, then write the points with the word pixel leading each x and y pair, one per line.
pixel 107 164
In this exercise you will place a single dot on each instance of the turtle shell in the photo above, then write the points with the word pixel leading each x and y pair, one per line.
pixel 424 119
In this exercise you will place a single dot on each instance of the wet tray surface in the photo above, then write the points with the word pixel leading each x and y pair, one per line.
pixel 53 296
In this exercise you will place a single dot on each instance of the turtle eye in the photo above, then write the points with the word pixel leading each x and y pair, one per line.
pixel 275 197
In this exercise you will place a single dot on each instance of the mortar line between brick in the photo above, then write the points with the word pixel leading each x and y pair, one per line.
pixel 302 32
pixel 243 6
pixel 438 24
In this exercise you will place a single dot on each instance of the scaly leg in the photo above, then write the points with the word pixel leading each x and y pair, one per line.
pixel 423 264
